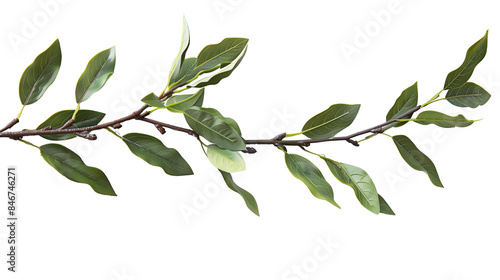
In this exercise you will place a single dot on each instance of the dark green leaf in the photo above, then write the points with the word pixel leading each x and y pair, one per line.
pixel 212 57
pixel 442 120
pixel 225 160
pixel 71 166
pixel 180 103
pixel 179 60
pixel 469 95
pixel 229 121
pixel 40 74
pixel 83 118
pixel 185 74
pixel 216 77
pixel 331 121
pixel 416 159
pixel 474 55
pixel 248 197
pixel 155 153
pixel 358 179
pixel 384 207
pixel 310 175
pixel 153 100
pixel 406 101
pixel 207 123
pixel 96 74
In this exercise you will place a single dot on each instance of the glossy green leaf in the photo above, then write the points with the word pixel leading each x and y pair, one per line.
pixel 229 121
pixel 469 95
pixel 185 74
pixel 474 55
pixel 358 179
pixel 83 118
pixel 214 128
pixel 416 159
pixel 153 100
pixel 180 103
pixel 71 166
pixel 212 57
pixel 304 170
pixel 96 74
pixel 225 160
pixel 215 77
pixel 406 101
pixel 442 120
pixel 179 60
pixel 331 121
pixel 248 197
pixel 384 207
pixel 152 150
pixel 40 74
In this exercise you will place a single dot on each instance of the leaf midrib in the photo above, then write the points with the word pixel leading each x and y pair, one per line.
pixel 152 153
pixel 325 123
pixel 209 128
pixel 93 79
pixel 355 183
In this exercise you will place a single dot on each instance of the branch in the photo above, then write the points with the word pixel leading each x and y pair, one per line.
pixel 304 143
pixel 134 115
pixel 141 115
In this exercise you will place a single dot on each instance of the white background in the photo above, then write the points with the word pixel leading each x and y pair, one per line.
pixel 162 227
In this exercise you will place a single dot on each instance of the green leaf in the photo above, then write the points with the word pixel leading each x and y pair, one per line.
pixel 207 123
pixel 384 207
pixel 248 197
pixel 84 118
pixel 212 57
pixel 406 101
pixel 180 103
pixel 179 60
pixel 442 120
pixel 304 170
pixel 469 95
pixel 96 74
pixel 229 121
pixel 185 73
pixel 71 166
pixel 225 160
pixel 40 74
pixel 416 159
pixel 153 100
pixel 155 153
pixel 216 77
pixel 358 179
pixel 331 121
pixel 474 55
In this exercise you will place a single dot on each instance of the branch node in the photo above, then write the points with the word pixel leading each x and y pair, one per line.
pixel 86 136
pixel 279 137
pixel 354 142
pixel 378 130
pixel 10 124
pixel 117 125
pixel 160 128
pixel 250 150
pixel 144 114
pixel 67 124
